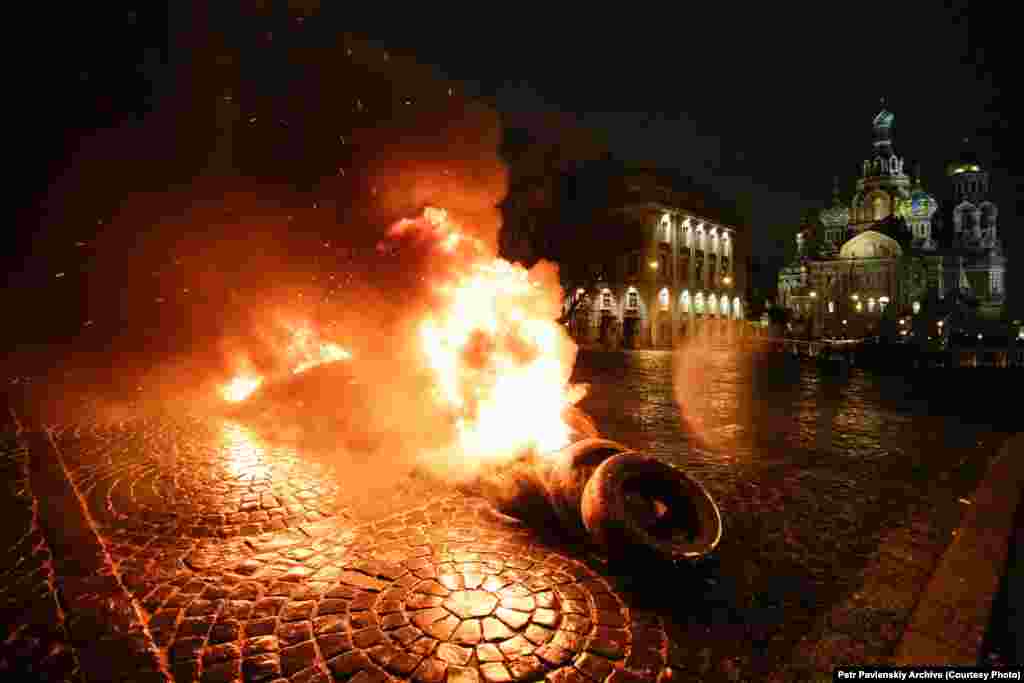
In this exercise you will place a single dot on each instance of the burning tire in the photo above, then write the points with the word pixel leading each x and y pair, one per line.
pixel 633 501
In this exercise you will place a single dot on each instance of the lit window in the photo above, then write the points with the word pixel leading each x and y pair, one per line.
pixel 684 301
pixel 663 299
pixel 698 302
pixel 917 307
pixel 859 306
pixel 831 306
pixel 632 300
pixel 606 300
pixel 871 305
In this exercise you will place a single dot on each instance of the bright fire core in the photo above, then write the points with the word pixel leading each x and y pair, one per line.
pixel 490 339
pixel 500 359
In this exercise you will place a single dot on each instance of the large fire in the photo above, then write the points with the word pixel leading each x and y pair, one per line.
pixel 500 359
pixel 489 338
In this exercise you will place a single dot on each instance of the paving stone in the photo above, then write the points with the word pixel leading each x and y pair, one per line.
pixel 553 655
pixel 462 674
pixel 222 672
pixel 368 637
pixel 297 658
pixel 362 581
pixel 468 633
pixel 261 645
pixel 489 652
pixel 495 673
pixel 430 670
pixel 262 667
pixel 516 647
pixel 225 631
pixel 393 621
pixel 443 629
pixel 593 666
pixel 186 648
pixel 406 635
pixel 512 618
pixel 261 627
pixel 361 620
pixel 294 632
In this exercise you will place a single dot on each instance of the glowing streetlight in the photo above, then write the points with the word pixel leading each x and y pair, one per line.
pixel 814 295
pixel 654 265
pixel 855 297
pixel 728 281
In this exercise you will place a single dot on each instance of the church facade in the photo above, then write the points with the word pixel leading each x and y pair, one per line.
pixel 895 252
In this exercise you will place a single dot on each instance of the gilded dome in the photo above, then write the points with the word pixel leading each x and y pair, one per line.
pixel 966 162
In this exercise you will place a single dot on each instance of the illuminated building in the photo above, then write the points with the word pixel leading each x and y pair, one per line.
pixel 892 250
pixel 659 268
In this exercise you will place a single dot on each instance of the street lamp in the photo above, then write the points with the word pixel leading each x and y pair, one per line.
pixel 814 295
pixel 728 281
pixel 654 265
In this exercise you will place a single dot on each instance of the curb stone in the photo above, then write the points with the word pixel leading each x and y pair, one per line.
pixel 104 625
pixel 949 623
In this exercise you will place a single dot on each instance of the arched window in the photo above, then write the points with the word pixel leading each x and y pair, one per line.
pixel 713 304
pixel 698 303
pixel 663 298
pixel 871 305
pixel 831 306
pixel 684 301
pixel 723 306
pixel 607 301
pixel 737 308
pixel 632 300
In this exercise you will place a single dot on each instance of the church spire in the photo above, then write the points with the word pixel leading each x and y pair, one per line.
pixel 882 128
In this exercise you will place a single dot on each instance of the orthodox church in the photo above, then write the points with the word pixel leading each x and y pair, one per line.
pixel 895 251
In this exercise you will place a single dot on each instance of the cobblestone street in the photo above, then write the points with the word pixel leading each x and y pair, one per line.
pixel 162 545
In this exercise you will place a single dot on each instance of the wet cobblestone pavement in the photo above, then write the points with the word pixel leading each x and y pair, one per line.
pixel 247 568
pixel 34 644
pixel 248 561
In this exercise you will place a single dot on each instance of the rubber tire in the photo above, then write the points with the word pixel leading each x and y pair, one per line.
pixel 566 476
pixel 605 516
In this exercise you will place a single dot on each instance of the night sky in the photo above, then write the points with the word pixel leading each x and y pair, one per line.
pixel 765 104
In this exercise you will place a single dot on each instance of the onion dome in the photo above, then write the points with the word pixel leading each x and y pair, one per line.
pixel 837 215
pixel 967 161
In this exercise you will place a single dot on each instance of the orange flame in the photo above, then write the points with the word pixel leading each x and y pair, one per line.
pixel 305 350
pixel 501 360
